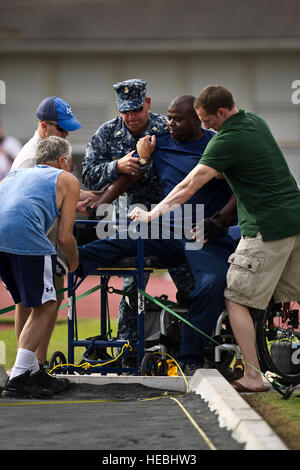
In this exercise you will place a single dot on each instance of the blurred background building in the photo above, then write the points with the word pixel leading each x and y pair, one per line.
pixel 78 49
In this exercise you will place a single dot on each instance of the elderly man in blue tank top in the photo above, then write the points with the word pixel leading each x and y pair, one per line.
pixel 30 201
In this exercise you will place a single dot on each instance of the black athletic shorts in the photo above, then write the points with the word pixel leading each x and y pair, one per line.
pixel 29 279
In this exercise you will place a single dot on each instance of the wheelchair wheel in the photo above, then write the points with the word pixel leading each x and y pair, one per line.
pixel 278 341
pixel 153 364
pixel 57 358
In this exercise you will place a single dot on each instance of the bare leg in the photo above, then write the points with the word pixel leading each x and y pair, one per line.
pixel 38 326
pixel 41 352
pixel 21 317
pixel 243 330
pixel 36 331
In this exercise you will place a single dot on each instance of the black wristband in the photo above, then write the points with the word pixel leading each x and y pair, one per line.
pixel 210 229
pixel 217 215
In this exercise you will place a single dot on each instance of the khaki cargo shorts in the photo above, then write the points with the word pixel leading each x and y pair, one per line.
pixel 259 270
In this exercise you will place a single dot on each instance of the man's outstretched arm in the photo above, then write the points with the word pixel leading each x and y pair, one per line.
pixel 197 178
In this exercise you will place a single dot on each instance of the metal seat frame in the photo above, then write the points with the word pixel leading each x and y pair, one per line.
pixel 133 266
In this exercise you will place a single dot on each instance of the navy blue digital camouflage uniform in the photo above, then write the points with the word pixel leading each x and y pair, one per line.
pixel 111 142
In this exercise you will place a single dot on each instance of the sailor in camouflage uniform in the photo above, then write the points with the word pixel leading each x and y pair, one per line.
pixel 114 141
pixel 109 154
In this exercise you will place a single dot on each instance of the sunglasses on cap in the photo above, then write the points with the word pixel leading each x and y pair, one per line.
pixel 138 110
pixel 58 127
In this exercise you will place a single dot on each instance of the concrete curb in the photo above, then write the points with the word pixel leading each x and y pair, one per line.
pixel 171 383
pixel 233 411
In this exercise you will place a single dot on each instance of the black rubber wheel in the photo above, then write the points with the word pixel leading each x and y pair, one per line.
pixel 278 342
pixel 57 358
pixel 153 365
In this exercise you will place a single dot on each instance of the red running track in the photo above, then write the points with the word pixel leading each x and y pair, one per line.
pixel 89 306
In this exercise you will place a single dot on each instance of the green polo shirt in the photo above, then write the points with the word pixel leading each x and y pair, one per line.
pixel 268 198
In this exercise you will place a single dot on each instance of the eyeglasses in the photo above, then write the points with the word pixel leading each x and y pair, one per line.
pixel 60 129
pixel 138 110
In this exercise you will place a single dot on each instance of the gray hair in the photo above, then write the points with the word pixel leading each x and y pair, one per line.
pixel 51 148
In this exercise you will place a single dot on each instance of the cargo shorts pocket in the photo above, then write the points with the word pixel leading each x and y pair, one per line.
pixel 242 274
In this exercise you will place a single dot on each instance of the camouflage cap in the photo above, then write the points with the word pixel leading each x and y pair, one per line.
pixel 130 94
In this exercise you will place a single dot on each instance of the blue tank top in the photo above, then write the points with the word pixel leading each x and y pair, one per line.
pixel 27 210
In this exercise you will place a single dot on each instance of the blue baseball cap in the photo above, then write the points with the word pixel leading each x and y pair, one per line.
pixel 56 109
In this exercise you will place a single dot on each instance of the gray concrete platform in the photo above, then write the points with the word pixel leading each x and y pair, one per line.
pixel 233 411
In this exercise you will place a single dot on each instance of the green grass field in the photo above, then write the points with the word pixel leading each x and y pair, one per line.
pixel 282 415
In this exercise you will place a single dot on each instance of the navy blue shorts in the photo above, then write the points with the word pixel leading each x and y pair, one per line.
pixel 29 279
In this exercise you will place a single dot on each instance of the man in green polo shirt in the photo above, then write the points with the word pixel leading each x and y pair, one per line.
pixel 267 260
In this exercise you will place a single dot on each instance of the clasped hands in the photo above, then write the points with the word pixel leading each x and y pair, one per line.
pixel 129 165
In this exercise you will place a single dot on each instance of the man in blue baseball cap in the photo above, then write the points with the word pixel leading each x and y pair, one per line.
pixel 57 110
pixel 55 117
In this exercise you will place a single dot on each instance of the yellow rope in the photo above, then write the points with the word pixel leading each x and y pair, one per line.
pixel 197 427
pixel 87 365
